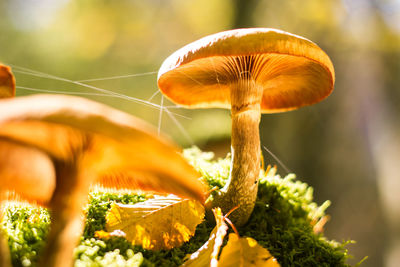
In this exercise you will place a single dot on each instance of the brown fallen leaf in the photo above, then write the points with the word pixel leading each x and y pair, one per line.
pixel 244 252
pixel 207 255
pixel 158 223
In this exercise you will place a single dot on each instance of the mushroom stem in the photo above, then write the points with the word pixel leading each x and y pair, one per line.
pixel 241 188
pixel 66 214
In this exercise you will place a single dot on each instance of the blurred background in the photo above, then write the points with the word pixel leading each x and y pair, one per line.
pixel 347 147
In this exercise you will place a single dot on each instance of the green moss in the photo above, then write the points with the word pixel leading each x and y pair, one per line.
pixel 282 222
pixel 283 215
pixel 114 252
pixel 27 228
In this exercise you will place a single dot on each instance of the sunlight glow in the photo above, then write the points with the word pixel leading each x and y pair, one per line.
pixel 34 14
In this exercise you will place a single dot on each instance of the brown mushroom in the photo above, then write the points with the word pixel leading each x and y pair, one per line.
pixel 250 71
pixel 7 82
pixel 88 143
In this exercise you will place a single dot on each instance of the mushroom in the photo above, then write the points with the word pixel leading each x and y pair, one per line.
pixel 87 143
pixel 7 82
pixel 250 71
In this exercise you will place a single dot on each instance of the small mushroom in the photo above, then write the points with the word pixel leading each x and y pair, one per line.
pixel 88 143
pixel 7 82
pixel 250 71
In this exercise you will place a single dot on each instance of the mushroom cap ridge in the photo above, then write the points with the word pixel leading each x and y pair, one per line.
pixel 292 70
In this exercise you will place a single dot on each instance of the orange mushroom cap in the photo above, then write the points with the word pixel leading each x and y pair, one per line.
pixel 292 70
pixel 121 150
pixel 7 82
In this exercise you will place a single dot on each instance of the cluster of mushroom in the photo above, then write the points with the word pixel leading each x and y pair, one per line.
pixel 54 148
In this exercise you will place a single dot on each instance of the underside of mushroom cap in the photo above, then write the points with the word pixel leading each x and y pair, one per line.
pixel 7 82
pixel 292 70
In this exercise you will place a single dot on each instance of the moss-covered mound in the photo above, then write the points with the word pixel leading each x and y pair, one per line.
pixel 283 222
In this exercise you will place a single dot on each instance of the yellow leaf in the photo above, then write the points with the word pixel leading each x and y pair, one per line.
pixel 245 251
pixel 207 255
pixel 159 223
